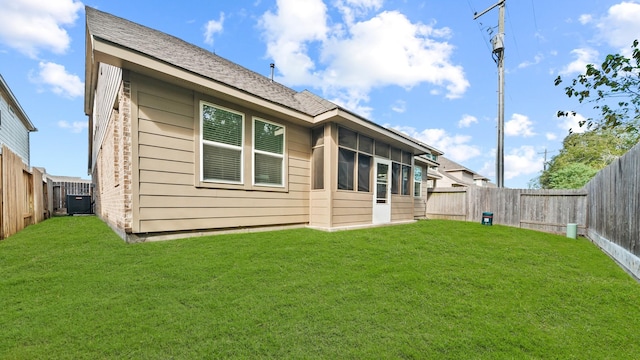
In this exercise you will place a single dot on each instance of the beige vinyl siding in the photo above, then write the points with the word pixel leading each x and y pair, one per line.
pixel 402 208
pixel 352 208
pixel 168 197
pixel 320 211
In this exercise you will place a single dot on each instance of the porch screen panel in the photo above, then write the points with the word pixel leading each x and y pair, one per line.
pixel 346 169
pixel 317 139
pixel 417 181
pixel 395 178
pixel 406 184
pixel 364 172
pixel 318 168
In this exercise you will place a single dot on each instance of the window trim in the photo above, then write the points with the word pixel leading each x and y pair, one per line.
pixel 247 162
pixel 202 141
pixel 254 151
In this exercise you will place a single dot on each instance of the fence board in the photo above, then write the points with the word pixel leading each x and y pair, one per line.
pixel 63 188
pixel 614 202
pixel 543 210
pixel 20 196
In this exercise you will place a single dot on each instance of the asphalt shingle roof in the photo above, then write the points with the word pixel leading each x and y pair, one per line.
pixel 179 53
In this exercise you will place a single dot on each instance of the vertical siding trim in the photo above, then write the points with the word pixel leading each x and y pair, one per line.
pixel 331 154
pixel 133 160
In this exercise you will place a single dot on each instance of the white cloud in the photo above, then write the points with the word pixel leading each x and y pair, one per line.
pixel 287 40
pixel 352 9
pixel 583 56
pixel 551 136
pixel 353 99
pixel 455 147
pixel 75 127
pixel 620 26
pixel 467 120
pixel 400 106
pixel 572 123
pixel 536 60
pixel 56 77
pixel 524 160
pixel 585 19
pixel 519 125
pixel 213 27
pixel 31 25
pixel 390 50
pixel 357 55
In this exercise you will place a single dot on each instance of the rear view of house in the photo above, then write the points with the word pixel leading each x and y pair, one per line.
pixel 182 141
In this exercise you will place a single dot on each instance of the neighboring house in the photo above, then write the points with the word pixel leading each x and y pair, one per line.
pixel 456 175
pixel 15 125
pixel 184 142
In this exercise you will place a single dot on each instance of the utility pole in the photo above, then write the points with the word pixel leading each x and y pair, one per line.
pixel 498 49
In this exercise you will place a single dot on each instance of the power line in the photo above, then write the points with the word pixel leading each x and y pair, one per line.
pixel 480 27
pixel 513 36
pixel 535 21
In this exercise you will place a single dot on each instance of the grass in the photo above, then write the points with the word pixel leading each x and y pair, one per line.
pixel 71 289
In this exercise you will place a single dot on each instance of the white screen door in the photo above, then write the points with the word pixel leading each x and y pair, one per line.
pixel 382 196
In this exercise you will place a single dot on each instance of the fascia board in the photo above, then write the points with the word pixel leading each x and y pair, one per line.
pixel 106 52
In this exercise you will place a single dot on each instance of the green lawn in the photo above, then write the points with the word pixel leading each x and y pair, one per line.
pixel 70 288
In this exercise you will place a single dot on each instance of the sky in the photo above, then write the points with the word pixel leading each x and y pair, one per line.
pixel 421 67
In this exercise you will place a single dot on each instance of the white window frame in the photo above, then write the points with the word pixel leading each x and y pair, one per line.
pixel 254 151
pixel 220 145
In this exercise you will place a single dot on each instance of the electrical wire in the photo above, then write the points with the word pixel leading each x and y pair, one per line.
pixel 482 33
pixel 515 42
pixel 535 21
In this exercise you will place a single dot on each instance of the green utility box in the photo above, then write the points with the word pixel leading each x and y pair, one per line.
pixel 487 218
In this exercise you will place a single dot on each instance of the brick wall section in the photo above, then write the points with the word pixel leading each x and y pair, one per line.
pixel 112 173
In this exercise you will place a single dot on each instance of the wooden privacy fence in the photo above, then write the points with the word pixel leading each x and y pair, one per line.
pixel 21 194
pixel 614 210
pixel 543 210
pixel 60 187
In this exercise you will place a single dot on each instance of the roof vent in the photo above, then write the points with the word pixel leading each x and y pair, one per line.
pixel 272 66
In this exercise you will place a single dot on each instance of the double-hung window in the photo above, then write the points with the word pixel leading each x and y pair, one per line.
pixel 222 139
pixel 268 153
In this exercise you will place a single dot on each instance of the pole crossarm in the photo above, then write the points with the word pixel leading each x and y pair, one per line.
pixel 476 15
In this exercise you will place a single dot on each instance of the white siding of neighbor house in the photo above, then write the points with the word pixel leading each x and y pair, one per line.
pixel 167 197
pixel 13 133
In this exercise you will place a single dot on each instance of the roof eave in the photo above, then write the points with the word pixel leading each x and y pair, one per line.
pixel 107 52
pixel 22 115
pixel 340 115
